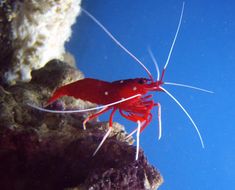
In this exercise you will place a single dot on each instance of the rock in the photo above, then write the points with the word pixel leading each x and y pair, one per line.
pixel 33 32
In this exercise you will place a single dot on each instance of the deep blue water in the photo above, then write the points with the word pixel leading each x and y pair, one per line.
pixel 204 56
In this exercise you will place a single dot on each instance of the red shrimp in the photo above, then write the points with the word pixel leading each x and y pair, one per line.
pixel 138 107
pixel 129 96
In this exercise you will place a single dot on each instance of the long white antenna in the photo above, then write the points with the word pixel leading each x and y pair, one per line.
pixel 155 63
pixel 117 42
pixel 83 110
pixel 188 86
pixel 173 43
pixel 190 118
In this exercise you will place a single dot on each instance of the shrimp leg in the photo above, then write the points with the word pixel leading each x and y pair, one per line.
pixel 108 132
pixel 95 116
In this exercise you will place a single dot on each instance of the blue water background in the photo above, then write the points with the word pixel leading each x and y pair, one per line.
pixel 204 56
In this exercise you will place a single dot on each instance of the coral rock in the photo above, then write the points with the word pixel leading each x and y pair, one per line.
pixel 32 33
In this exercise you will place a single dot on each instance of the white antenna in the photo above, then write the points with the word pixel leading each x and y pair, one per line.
pixel 83 110
pixel 155 63
pixel 184 110
pixel 117 42
pixel 187 86
pixel 173 43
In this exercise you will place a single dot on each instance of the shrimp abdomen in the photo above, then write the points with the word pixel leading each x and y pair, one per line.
pixel 87 89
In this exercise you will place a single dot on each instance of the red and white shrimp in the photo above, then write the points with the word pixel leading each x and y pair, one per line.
pixel 130 97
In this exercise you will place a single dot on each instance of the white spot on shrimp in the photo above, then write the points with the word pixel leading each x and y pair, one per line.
pixel 134 88
pixel 106 93
pixel 121 81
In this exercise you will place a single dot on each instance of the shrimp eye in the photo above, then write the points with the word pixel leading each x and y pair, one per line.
pixel 141 81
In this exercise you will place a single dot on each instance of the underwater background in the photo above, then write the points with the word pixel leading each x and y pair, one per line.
pixel 204 56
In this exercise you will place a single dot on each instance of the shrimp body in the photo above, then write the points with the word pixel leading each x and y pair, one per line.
pixel 103 93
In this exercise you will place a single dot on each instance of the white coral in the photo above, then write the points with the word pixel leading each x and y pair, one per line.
pixel 40 29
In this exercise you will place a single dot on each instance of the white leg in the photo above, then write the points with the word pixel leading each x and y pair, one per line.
pixel 159 120
pixel 132 133
pixel 101 143
pixel 138 140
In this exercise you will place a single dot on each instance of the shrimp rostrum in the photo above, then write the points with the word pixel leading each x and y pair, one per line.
pixel 129 97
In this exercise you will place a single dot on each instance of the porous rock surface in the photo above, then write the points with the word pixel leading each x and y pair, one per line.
pixel 36 31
